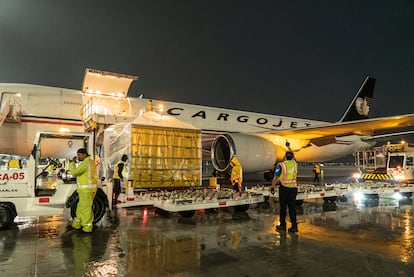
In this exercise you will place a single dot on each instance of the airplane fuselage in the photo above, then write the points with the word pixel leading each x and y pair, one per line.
pixel 51 109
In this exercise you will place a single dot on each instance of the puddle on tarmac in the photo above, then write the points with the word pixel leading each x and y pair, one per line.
pixel 368 240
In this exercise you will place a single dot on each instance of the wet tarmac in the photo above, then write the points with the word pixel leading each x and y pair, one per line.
pixel 371 238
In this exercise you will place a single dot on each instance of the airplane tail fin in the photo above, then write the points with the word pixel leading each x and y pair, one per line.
pixel 359 107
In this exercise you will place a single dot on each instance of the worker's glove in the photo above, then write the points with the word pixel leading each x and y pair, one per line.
pixel 272 191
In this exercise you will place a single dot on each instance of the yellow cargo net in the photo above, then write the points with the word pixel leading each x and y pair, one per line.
pixel 165 157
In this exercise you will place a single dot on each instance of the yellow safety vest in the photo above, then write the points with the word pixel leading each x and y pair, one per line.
pixel 288 175
pixel 236 171
pixel 149 107
pixel 85 173
pixel 116 175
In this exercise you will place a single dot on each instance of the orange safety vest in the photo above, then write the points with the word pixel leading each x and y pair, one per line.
pixel 288 175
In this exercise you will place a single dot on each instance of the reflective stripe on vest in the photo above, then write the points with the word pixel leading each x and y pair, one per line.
pixel 288 175
pixel 86 186
pixel 85 173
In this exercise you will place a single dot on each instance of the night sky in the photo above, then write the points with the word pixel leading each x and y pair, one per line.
pixel 296 58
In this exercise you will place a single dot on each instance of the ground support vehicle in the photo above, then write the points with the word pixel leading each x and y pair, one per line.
pixel 390 162
pixel 374 190
pixel 41 185
pixel 208 199
pixel 186 202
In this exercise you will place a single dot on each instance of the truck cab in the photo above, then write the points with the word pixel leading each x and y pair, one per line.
pixel 401 166
pixel 40 184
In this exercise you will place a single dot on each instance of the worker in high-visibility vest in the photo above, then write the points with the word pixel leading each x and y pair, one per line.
pixel 236 177
pixel 87 181
pixel 118 177
pixel 150 106
pixel 285 177
pixel 316 171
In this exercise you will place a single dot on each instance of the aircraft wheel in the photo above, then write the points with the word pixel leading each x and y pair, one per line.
pixel 241 208
pixel 100 203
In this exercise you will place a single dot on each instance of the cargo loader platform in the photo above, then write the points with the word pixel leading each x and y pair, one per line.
pixel 329 191
pixel 185 201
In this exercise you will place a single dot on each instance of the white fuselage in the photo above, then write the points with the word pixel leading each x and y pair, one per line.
pixel 50 109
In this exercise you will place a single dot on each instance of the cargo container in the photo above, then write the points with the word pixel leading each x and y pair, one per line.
pixel 163 152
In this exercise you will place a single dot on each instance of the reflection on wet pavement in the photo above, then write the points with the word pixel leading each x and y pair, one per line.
pixel 341 239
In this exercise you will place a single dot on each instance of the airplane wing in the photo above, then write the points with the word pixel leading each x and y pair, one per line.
pixel 387 137
pixel 358 127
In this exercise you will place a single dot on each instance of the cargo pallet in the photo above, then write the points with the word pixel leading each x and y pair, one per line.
pixel 186 206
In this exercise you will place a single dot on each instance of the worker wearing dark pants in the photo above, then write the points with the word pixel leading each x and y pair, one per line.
pixel 119 174
pixel 287 197
pixel 285 177
pixel 316 171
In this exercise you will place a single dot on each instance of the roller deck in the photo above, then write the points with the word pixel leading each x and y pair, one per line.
pixel 307 191
pixel 191 200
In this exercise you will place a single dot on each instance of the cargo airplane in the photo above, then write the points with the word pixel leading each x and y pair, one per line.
pixel 258 140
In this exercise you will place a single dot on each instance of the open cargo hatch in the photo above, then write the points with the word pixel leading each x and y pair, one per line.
pixel 106 83
pixel 105 99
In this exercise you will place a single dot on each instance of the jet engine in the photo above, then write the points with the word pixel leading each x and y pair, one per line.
pixel 255 154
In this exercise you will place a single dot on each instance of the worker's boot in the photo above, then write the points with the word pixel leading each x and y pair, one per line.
pixel 76 224
pixel 293 229
pixel 87 228
pixel 281 228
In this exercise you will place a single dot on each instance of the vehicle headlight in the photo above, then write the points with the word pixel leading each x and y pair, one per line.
pixel 399 177
pixel 397 196
pixel 358 196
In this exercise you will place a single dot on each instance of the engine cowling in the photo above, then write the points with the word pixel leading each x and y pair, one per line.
pixel 255 154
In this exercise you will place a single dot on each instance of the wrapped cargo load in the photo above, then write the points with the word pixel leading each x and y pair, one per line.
pixel 163 151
